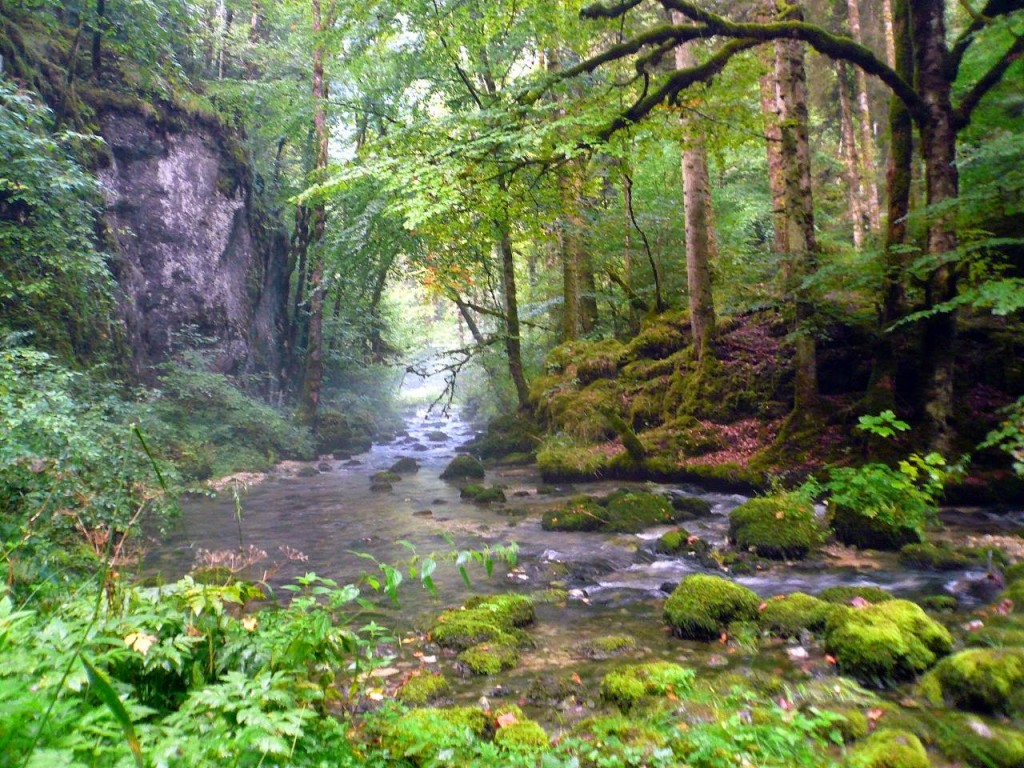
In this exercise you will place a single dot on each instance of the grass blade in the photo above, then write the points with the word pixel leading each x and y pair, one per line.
pixel 109 696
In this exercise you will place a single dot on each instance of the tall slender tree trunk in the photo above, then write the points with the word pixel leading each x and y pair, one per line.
pixel 867 135
pixel 312 382
pixel 771 110
pixel 890 36
pixel 899 174
pixel 97 36
pixel 513 342
pixel 938 148
pixel 696 212
pixel 853 179
pixel 801 245
pixel 570 241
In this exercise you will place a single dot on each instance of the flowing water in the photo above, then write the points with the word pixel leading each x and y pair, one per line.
pixel 616 582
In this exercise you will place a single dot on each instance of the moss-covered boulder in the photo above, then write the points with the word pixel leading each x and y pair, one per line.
pixel 633 512
pixel 889 748
pixel 494 620
pixel 674 542
pixel 981 680
pixel 522 736
pixel 423 689
pixel 580 513
pixel 860 529
pixel 789 615
pixel 630 685
pixel 463 467
pixel 421 734
pixel 406 465
pixel 690 507
pixel 607 647
pixel 970 740
pixel 998 631
pixel 885 642
pixel 481 494
pixel 506 435
pixel 702 606
pixel 944 557
pixel 385 477
pixel 490 658
pixel 845 595
pixel 777 527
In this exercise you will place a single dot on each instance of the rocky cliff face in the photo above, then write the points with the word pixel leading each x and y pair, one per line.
pixel 194 258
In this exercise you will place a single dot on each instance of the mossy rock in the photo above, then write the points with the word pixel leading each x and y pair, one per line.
pixel 379 486
pixel 484 620
pixel 674 542
pixel 658 339
pixel 777 527
pixel 608 647
pixel 889 748
pixel 633 512
pixel 580 513
pixel 690 507
pixel 423 689
pixel 522 736
pixel 385 477
pixel 551 689
pixel 853 726
pixel 939 603
pixel 867 532
pixel 789 615
pixel 480 494
pixel 505 436
pixel 406 465
pixel 943 557
pixel 845 595
pixel 971 741
pixel 490 658
pixel 998 631
pixel 702 606
pixel 333 432
pixel 980 679
pixel 885 642
pixel 421 734
pixel 619 729
pixel 628 686
pixel 463 467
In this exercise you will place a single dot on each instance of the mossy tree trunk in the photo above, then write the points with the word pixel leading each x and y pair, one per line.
pixel 899 175
pixel 938 148
pixel 697 216
pixel 570 241
pixel 513 342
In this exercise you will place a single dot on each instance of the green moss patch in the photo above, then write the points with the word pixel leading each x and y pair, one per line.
pixel 463 467
pixel 490 658
pixel 608 646
pixel 890 748
pixel 789 615
pixel 494 620
pixel 777 527
pixel 702 606
pixel 859 529
pixel 630 685
pixel 981 680
pixel 421 734
pixel 480 494
pixel 886 642
pixel 522 736
pixel 847 594
pixel 423 689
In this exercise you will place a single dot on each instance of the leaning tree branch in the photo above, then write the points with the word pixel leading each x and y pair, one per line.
pixel 962 114
pixel 833 46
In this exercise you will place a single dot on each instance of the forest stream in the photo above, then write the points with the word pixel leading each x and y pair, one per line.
pixel 615 583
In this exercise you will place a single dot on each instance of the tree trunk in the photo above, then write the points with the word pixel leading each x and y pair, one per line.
pixel 771 111
pixel 890 36
pixel 97 36
pixel 696 205
pixel 801 244
pixel 938 148
pixel 853 179
pixel 312 382
pixel 899 174
pixel 867 135
pixel 513 345
pixel 570 231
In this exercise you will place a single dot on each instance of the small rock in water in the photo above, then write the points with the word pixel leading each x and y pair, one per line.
pixel 379 487
pixel 353 463
pixel 437 436
pixel 439 501
pixel 323 466
pixel 308 471
pixel 419 447
pixel 423 513
pixel 384 672
pixel 798 654
pixel 717 660
pixel 520 494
